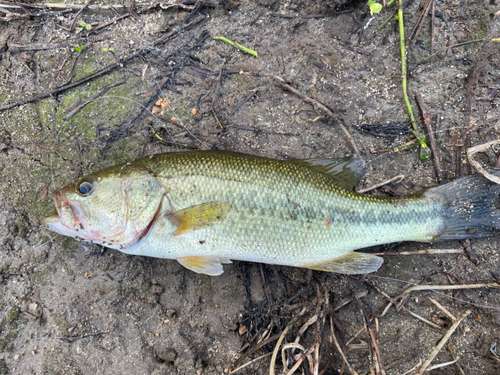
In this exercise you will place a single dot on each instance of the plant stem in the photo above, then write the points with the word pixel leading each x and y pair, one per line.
pixel 425 152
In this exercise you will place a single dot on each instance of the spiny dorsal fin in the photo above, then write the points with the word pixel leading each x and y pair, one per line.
pixel 346 172
pixel 351 264
pixel 202 264
pixel 198 217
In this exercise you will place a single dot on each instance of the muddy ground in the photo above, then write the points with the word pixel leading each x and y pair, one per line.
pixel 71 308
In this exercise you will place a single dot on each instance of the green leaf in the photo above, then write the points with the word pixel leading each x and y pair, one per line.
pixel 425 153
pixel 82 23
pixel 88 27
pixel 79 48
pixel 374 6
pixel 111 49
pixel 104 49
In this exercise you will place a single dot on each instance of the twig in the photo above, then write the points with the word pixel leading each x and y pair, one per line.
pixel 443 341
pixel 396 179
pixel 366 324
pixel 332 334
pixel 406 297
pixel 443 364
pixel 404 308
pixel 433 16
pixel 78 14
pixel 427 121
pixel 410 371
pixel 426 252
pixel 276 350
pixel 450 287
pixel 418 26
pixel 91 98
pixel 321 106
pixel 16 47
pixel 257 348
pixel 215 99
pixel 443 309
pixel 478 167
pixel 447 48
pixel 250 362
pixel 242 103
pixel 345 301
pixel 60 6
pixel 424 150
pixel 110 22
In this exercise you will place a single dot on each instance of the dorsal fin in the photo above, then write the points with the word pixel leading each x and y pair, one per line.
pixel 346 172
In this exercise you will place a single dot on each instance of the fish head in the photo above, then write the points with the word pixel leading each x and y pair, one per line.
pixel 115 207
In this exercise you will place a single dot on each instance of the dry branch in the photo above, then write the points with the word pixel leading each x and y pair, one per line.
pixel 443 341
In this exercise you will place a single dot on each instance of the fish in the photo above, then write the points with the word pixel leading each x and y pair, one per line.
pixel 207 208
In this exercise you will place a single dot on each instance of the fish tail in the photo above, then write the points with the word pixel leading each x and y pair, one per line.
pixel 470 207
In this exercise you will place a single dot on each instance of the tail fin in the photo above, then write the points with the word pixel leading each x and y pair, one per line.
pixel 470 207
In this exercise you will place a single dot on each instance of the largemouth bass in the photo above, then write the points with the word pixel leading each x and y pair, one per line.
pixel 206 208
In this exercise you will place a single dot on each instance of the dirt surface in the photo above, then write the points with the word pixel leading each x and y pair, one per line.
pixel 71 308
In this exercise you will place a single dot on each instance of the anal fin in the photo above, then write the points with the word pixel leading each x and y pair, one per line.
pixel 198 217
pixel 202 264
pixel 351 264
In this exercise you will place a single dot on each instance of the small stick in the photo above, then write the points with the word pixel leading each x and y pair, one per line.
pixel 332 333
pixel 450 287
pixel 110 22
pixel 443 309
pixel 478 167
pixel 396 180
pixel 242 103
pixel 418 26
pixel 91 98
pixel 427 120
pixel 321 106
pixel 404 298
pixel 348 300
pixel 93 7
pixel 443 341
pixel 257 348
pixel 78 14
pixel 366 321
pixel 215 99
pixel 422 252
pixel 249 363
pixel 404 308
pixel 433 16
pixel 410 371
pixel 276 350
pixel 442 364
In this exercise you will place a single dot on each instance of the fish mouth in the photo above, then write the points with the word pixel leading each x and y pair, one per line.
pixel 69 214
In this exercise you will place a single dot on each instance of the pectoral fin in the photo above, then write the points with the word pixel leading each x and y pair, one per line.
pixel 202 264
pixel 198 217
pixel 351 264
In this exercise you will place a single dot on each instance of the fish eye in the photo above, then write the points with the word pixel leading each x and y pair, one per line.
pixel 84 186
